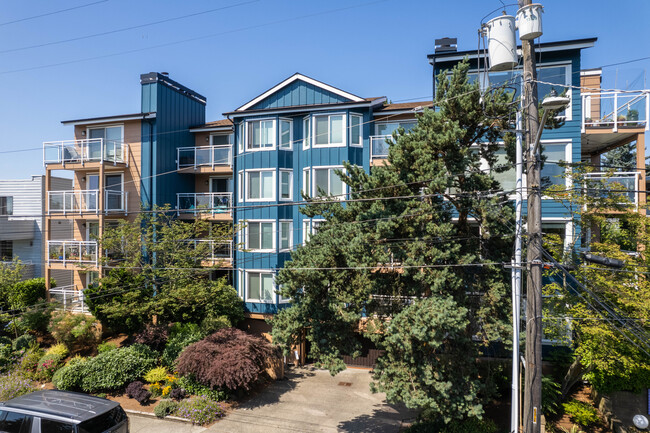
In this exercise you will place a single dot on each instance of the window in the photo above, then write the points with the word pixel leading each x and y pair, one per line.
pixel 240 283
pixel 11 422
pixel 389 127
pixel 310 228
pixel 6 250
pixel 507 178
pixel 355 130
pixel 329 130
pixel 551 170
pixel 286 134
pixel 286 178
pixel 305 181
pixel 260 185
pixel 240 137
pixel 221 139
pixel 260 286
pixel 281 298
pixel 260 236
pixel 6 205
pixel 306 132
pixel 286 235
pixel 261 135
pixel 112 139
pixel 51 426
pixel 326 179
pixel 241 185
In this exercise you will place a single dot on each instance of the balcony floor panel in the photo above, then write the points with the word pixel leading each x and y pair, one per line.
pixel 597 139
pixel 206 169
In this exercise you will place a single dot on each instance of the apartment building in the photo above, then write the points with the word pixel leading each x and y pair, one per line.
pixel 22 225
pixel 120 164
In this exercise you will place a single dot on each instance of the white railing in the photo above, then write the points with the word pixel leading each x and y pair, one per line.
pixel 219 251
pixel 616 109
pixel 72 252
pixel 86 150
pixel 378 146
pixel 70 298
pixel 204 156
pixel 212 202
pixel 85 201
pixel 625 184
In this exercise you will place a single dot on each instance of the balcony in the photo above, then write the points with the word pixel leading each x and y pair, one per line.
pixel 91 150
pixel 85 201
pixel 625 184
pixel 205 158
pixel 70 299
pixel 220 252
pixel 379 146
pixel 72 252
pixel 208 204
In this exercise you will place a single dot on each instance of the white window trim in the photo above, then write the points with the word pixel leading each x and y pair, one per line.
pixel 112 125
pixel 273 182
pixel 240 281
pixel 259 271
pixel 360 144
pixel 308 229
pixel 313 181
pixel 290 185
pixel 242 183
pixel 568 154
pixel 280 249
pixel 274 134
pixel 281 300
pixel 306 133
pixel 290 147
pixel 273 230
pixel 329 133
pixel 230 136
pixel 306 181
pixel 388 122
pixel 241 137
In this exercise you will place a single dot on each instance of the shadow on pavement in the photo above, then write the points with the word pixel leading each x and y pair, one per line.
pixel 272 393
pixel 386 418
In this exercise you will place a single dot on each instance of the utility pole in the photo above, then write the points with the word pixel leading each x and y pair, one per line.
pixel 533 371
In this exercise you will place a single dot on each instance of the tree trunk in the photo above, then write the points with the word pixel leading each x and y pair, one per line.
pixel 573 376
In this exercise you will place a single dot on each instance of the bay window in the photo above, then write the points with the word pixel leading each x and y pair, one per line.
pixel 355 130
pixel 286 134
pixel 259 235
pixel 286 178
pixel 286 235
pixel 260 134
pixel 328 130
pixel 328 181
pixel 260 287
pixel 260 185
pixel 306 132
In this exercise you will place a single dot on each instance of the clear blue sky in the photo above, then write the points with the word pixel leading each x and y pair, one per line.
pixel 231 55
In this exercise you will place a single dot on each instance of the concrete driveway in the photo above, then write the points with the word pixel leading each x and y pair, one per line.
pixel 311 400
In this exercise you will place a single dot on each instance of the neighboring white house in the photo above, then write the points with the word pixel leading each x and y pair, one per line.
pixel 22 216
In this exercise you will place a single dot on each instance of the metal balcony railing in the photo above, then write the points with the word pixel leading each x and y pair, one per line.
pixel 86 150
pixel 81 201
pixel 625 184
pixel 614 110
pixel 72 252
pixel 204 156
pixel 378 146
pixel 212 202
pixel 219 250
pixel 70 298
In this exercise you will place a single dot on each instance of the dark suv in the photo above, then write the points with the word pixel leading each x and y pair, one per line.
pixel 62 412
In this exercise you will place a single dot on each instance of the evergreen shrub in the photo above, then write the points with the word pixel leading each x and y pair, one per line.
pixel 114 369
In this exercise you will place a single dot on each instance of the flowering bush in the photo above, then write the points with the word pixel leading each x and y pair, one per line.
pixel 229 358
pixel 164 386
pixel 29 362
pixel 14 385
pixel 200 410
pixel 47 365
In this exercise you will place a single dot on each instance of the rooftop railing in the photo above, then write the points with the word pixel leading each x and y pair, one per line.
pixel 379 146
pixel 204 202
pixel 614 110
pixel 72 252
pixel 204 156
pixel 70 298
pixel 81 201
pixel 84 151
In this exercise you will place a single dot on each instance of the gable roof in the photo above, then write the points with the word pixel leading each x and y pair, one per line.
pixel 343 95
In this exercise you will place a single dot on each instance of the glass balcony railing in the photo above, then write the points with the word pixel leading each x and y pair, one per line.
pixel 69 298
pixel 84 151
pixel 206 202
pixel 218 251
pixel 623 184
pixel 614 110
pixel 72 252
pixel 85 201
pixel 379 146
pixel 204 156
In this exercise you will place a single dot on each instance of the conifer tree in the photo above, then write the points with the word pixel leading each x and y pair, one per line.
pixel 413 261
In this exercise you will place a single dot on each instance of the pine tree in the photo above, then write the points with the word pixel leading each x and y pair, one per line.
pixel 413 261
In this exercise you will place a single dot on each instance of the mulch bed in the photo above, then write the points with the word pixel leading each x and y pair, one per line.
pixel 581 393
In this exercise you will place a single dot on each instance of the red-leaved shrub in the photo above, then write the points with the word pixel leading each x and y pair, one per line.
pixel 154 336
pixel 229 358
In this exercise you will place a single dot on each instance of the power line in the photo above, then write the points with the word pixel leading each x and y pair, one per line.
pixel 52 13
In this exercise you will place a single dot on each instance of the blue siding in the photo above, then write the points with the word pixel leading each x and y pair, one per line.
pixel 175 114
pixel 299 93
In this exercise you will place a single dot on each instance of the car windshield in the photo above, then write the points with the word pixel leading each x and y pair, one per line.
pixel 102 422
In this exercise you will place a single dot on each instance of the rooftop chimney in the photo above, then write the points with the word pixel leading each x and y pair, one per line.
pixel 446 45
